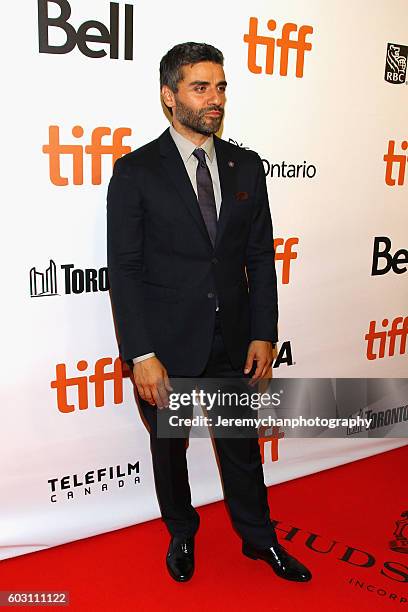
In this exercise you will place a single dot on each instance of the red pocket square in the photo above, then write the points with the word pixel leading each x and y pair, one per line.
pixel 241 195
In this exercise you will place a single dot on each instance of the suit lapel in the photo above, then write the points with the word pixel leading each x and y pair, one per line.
pixel 227 173
pixel 177 173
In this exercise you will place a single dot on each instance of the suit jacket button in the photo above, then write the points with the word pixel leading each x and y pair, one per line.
pixel 210 295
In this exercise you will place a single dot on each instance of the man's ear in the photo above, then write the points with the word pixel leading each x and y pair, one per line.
pixel 168 96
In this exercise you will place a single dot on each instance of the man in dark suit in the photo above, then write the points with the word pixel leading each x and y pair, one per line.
pixel 193 285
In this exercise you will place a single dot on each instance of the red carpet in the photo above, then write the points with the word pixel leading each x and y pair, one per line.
pixel 355 505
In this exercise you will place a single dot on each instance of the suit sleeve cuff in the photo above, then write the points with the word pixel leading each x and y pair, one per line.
pixel 142 357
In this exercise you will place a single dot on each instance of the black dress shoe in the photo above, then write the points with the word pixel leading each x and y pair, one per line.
pixel 282 563
pixel 180 559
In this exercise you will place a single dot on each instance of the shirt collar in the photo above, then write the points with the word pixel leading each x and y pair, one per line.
pixel 186 147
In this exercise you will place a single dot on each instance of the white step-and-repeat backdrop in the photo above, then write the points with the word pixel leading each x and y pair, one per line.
pixel 318 89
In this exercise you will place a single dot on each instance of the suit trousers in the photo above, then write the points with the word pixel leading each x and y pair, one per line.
pixel 240 463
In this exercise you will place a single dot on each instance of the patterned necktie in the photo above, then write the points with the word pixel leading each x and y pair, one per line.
pixel 205 191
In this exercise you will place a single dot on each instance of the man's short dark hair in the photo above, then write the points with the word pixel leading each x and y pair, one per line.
pixel 182 55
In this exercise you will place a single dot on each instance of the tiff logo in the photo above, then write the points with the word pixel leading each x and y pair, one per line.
pixel 285 255
pixel 44 283
pixel 86 31
pixel 398 328
pixel 393 160
pixel 271 436
pixel 100 376
pixel 54 149
pixel 285 43
pixel 97 380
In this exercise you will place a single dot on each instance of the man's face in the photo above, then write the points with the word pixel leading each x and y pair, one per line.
pixel 199 102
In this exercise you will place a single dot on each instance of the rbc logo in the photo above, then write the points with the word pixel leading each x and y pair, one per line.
pixel 396 64
pixel 82 36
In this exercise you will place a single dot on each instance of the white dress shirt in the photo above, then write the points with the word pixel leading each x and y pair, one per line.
pixel 186 149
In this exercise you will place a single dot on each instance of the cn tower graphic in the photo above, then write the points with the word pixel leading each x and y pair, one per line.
pixel 44 283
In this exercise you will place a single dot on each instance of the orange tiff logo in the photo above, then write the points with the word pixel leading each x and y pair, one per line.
pixel 80 384
pixel 96 149
pixel 270 436
pixel 381 342
pixel 285 42
pixel 395 161
pixel 285 254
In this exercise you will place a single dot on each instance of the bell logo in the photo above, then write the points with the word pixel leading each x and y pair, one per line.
pixel 399 160
pixel 285 255
pixel 86 31
pixel 81 383
pixel 377 340
pixel 54 149
pixel 384 261
pixel 285 42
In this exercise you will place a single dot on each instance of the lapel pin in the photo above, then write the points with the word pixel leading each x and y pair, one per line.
pixel 231 164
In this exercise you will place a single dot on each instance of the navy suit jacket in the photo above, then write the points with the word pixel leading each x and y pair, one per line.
pixel 163 270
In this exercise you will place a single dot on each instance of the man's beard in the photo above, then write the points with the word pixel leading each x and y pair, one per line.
pixel 196 120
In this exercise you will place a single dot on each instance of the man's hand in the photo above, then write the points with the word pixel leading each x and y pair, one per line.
pixel 152 381
pixel 260 351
